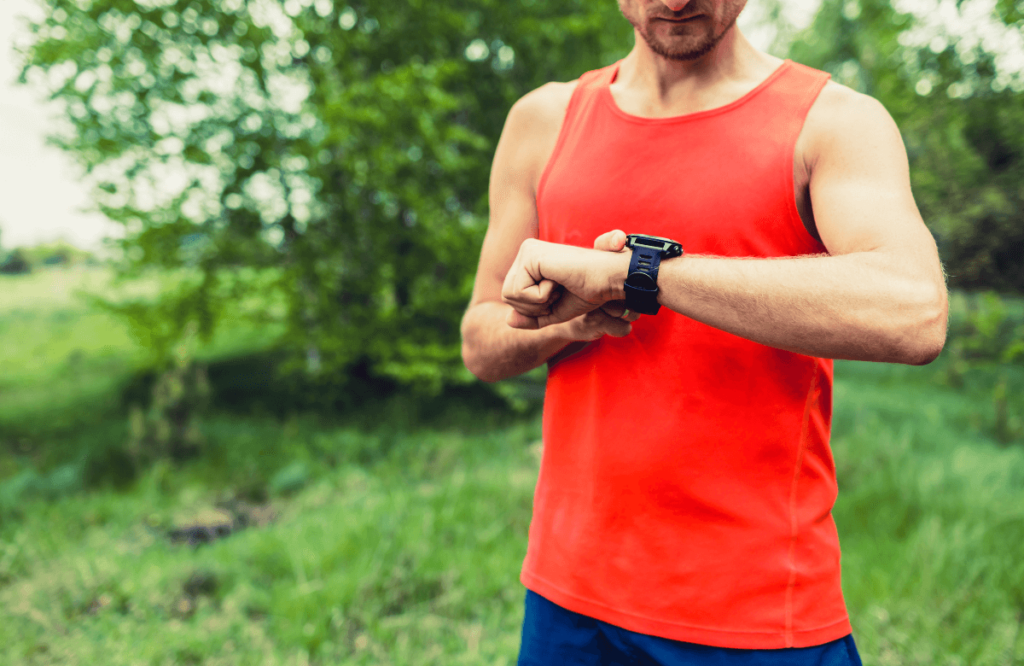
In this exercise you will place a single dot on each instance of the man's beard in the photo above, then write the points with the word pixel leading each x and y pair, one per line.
pixel 692 50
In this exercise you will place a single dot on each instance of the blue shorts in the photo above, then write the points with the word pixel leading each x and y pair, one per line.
pixel 554 636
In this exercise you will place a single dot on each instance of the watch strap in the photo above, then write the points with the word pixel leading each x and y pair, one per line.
pixel 642 294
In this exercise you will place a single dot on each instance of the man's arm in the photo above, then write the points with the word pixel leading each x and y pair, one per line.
pixel 490 348
pixel 879 294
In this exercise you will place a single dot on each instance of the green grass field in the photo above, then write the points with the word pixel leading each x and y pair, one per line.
pixel 401 543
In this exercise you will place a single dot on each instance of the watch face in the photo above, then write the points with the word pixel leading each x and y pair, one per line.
pixel 666 246
pixel 650 241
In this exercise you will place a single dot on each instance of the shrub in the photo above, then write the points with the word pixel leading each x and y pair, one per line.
pixel 16 263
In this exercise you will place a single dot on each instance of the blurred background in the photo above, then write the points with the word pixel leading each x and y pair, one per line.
pixel 236 241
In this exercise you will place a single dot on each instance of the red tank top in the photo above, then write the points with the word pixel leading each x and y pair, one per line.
pixel 687 484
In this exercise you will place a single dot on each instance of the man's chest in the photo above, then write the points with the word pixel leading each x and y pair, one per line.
pixel 741 192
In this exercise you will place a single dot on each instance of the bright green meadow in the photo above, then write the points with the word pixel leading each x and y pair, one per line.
pixel 394 535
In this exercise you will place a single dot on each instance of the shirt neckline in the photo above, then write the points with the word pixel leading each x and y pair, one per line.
pixel 609 99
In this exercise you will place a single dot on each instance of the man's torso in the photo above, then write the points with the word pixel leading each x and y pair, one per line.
pixel 687 482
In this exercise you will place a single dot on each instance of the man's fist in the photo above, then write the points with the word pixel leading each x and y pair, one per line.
pixel 550 283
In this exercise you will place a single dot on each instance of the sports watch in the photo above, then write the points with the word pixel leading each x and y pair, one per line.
pixel 642 280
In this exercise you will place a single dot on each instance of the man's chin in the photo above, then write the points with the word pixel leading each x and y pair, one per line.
pixel 682 53
pixel 692 41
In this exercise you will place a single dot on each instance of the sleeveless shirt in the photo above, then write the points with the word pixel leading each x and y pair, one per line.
pixel 687 483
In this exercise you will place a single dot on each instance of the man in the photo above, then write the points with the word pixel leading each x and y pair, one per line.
pixel 683 509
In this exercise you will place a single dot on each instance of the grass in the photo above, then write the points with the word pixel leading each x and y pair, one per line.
pixel 410 557
pixel 63 365
pixel 396 541
pixel 56 354
pixel 931 519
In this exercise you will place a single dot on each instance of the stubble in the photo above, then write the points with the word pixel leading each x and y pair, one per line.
pixel 681 43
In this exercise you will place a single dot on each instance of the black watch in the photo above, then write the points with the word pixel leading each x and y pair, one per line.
pixel 642 279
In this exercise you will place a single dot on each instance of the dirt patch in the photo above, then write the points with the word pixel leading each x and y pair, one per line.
pixel 209 525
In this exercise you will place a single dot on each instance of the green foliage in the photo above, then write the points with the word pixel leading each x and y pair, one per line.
pixel 57 253
pixel 986 340
pixel 290 478
pixel 23 260
pixel 961 120
pixel 340 149
pixel 66 368
pixel 170 426
pixel 62 365
pixel 986 330
pixel 15 263
pixel 183 306
pixel 985 245
pixel 30 485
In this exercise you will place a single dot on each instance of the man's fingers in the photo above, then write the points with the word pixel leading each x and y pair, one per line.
pixel 546 291
pixel 618 309
pixel 567 308
pixel 518 320
pixel 612 318
pixel 614 308
pixel 611 241
pixel 524 290
pixel 604 324
pixel 529 298
pixel 618 328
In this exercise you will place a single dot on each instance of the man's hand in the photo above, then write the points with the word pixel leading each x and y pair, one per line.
pixel 550 283
pixel 597 323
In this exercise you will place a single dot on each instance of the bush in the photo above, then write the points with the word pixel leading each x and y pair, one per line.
pixel 986 341
pixel 16 263
pixel 170 425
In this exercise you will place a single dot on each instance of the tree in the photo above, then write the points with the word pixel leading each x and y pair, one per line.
pixel 332 156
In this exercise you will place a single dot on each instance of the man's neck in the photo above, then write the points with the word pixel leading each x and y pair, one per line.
pixel 663 82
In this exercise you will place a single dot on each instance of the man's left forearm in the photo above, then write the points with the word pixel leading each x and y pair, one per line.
pixel 859 306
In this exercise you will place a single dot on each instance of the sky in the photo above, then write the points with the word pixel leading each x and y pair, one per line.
pixel 42 197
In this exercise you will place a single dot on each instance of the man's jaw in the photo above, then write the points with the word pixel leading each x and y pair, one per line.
pixel 693 44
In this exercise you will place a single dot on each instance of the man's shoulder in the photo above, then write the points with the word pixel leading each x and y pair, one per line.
pixel 531 131
pixel 533 126
pixel 839 104
pixel 842 118
pixel 544 105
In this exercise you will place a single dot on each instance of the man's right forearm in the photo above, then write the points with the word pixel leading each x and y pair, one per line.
pixel 492 350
